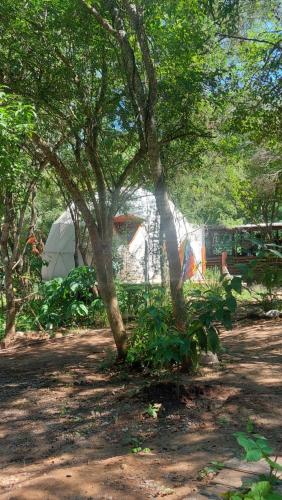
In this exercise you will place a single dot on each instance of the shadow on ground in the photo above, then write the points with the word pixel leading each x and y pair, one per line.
pixel 68 428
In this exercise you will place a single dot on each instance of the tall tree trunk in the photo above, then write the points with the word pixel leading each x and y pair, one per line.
pixel 11 311
pixel 144 97
pixel 8 270
pixel 168 226
pixel 76 225
pixel 102 251
pixel 101 247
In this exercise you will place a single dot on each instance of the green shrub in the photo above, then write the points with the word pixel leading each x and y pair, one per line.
pixel 25 322
pixel 265 271
pixel 212 281
pixel 256 447
pixel 69 301
pixel 134 298
pixel 158 344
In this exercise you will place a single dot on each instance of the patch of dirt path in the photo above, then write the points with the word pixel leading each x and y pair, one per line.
pixel 67 427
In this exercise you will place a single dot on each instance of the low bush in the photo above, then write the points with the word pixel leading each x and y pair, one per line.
pixel 265 270
pixel 25 322
pixel 70 301
pixel 134 298
pixel 158 344
pixel 211 281
pixel 256 448
pixel 74 301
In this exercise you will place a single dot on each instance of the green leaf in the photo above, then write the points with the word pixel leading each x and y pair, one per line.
pixel 202 339
pixel 262 443
pixel 261 488
pixel 218 465
pixel 82 309
pixel 275 252
pixel 231 303
pixel 136 450
pixel 273 464
pixel 213 340
pixel 250 426
pixel 74 287
pixel 236 284
pixel 273 496
pixel 253 452
pixel 253 455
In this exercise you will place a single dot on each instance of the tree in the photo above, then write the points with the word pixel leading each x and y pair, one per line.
pixel 236 176
pixel 78 86
pixel 232 181
pixel 79 98
pixel 150 40
pixel 19 179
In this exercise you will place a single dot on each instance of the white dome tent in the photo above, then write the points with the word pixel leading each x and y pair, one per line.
pixel 137 239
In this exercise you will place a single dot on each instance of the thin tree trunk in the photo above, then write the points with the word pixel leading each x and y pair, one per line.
pixel 164 277
pixel 102 249
pixel 8 271
pixel 11 311
pixel 109 296
pixel 103 265
pixel 167 224
pixel 76 225
pixel 144 99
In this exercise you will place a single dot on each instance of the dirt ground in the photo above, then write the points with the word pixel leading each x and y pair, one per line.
pixel 69 426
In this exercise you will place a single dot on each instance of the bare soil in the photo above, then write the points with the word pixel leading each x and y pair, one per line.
pixel 69 426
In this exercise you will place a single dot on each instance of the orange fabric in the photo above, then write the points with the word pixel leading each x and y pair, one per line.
pixel 204 259
pixel 191 269
pixel 32 240
pixel 119 219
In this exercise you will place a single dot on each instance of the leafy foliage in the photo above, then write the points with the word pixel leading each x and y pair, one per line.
pixel 157 343
pixel 70 300
pixel 153 410
pixel 257 448
pixel 266 270
pixel 75 300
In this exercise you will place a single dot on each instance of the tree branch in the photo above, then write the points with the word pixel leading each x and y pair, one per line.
pixel 101 20
pixel 67 180
pixel 246 39
pixel 139 155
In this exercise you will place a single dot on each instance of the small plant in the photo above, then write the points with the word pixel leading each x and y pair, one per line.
pixel 153 410
pixel 64 411
pixel 257 448
pixel 213 468
pixel 139 449
pixel 137 446
pixel 265 271
pixel 250 427
pixel 223 420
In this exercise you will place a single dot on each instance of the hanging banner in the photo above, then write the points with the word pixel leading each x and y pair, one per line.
pixel 188 261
